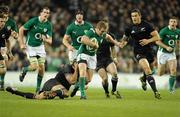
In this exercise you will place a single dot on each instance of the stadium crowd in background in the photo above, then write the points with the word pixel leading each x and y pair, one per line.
pixel 62 14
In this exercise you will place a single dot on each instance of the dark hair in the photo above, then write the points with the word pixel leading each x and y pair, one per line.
pixel 4 9
pixel 136 10
pixel 173 17
pixel 79 11
pixel 47 8
pixel 1 15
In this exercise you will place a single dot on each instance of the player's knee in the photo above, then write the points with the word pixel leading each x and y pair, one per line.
pixel 159 73
pixel 173 71
pixel 34 67
pixel 114 75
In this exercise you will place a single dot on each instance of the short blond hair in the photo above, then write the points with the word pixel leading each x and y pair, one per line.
pixel 102 24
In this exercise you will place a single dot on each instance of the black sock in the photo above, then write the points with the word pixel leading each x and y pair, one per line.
pixel 114 83
pixel 151 82
pixel 26 95
pixel 105 85
pixel 144 77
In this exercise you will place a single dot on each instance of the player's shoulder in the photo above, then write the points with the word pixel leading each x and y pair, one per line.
pixel 87 23
pixel 10 19
pixel 147 23
pixel 164 29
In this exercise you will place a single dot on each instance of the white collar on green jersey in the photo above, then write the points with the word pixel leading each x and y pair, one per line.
pixel 79 23
pixel 170 28
pixel 41 21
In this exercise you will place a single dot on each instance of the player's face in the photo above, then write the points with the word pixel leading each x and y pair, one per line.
pixel 136 18
pixel 45 14
pixel 100 31
pixel 2 22
pixel 173 23
pixel 79 18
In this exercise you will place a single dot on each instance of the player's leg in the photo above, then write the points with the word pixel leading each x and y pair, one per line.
pixel 102 73
pixel 172 66
pixel 146 68
pixel 2 73
pixel 20 93
pixel 32 67
pixel 41 70
pixel 111 68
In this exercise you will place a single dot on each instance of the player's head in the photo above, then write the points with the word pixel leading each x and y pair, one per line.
pixel 2 20
pixel 5 10
pixel 79 15
pixel 101 27
pixel 173 22
pixel 45 13
pixel 136 16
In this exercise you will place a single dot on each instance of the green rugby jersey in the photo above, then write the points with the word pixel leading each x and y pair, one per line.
pixel 11 25
pixel 76 31
pixel 169 37
pixel 94 37
pixel 35 29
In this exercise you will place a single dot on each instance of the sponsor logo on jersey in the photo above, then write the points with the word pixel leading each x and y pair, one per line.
pixel 143 29
pixel 3 35
pixel 45 29
pixel 132 31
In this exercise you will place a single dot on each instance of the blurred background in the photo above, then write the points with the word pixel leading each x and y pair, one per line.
pixel 62 13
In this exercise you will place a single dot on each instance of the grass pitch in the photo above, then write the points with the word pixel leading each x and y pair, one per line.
pixel 135 103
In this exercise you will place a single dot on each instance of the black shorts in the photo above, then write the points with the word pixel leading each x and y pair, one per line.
pixel 1 57
pixel 48 85
pixel 150 56
pixel 103 63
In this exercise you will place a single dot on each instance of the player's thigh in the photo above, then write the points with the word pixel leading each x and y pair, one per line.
pixel 33 62
pixel 102 73
pixel 111 68
pixel 172 66
pixel 72 55
pixel 161 69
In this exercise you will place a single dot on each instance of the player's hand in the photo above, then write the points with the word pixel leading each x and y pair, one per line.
pixel 10 56
pixel 70 48
pixel 14 34
pixel 122 44
pixel 23 46
pixel 115 60
pixel 96 46
pixel 43 38
pixel 169 49
pixel 143 42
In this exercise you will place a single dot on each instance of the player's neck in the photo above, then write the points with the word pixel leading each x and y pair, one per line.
pixel 79 23
pixel 41 19
pixel 171 28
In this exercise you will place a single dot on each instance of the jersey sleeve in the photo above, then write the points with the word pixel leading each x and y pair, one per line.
pixel 29 24
pixel 14 27
pixel 149 27
pixel 89 33
pixel 49 30
pixel 127 32
pixel 161 34
pixel 68 30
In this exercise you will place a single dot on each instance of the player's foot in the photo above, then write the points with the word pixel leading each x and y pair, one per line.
pixel 117 94
pixel 83 98
pixel 172 91
pixel 107 95
pixel 22 76
pixel 73 93
pixel 10 89
pixel 143 83
pixel 1 86
pixel 157 95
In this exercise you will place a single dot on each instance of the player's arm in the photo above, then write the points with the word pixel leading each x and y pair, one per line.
pixel 168 48
pixel 66 42
pixel 123 42
pixel 85 40
pixel 21 37
pixel 74 76
pixel 110 39
pixel 9 53
pixel 47 39
pixel 155 37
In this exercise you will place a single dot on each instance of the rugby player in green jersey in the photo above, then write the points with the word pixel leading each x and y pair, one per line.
pixel 39 31
pixel 166 53
pixel 87 53
pixel 75 31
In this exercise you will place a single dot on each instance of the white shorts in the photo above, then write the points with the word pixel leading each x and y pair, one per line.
pixel 34 51
pixel 163 57
pixel 91 60
pixel 72 55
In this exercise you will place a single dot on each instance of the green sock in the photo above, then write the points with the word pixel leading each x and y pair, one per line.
pixel 171 82
pixel 82 86
pixel 2 77
pixel 76 85
pixel 39 80
pixel 25 69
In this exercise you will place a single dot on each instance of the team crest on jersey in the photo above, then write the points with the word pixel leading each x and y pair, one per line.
pixel 45 29
pixel 9 27
pixel 3 35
